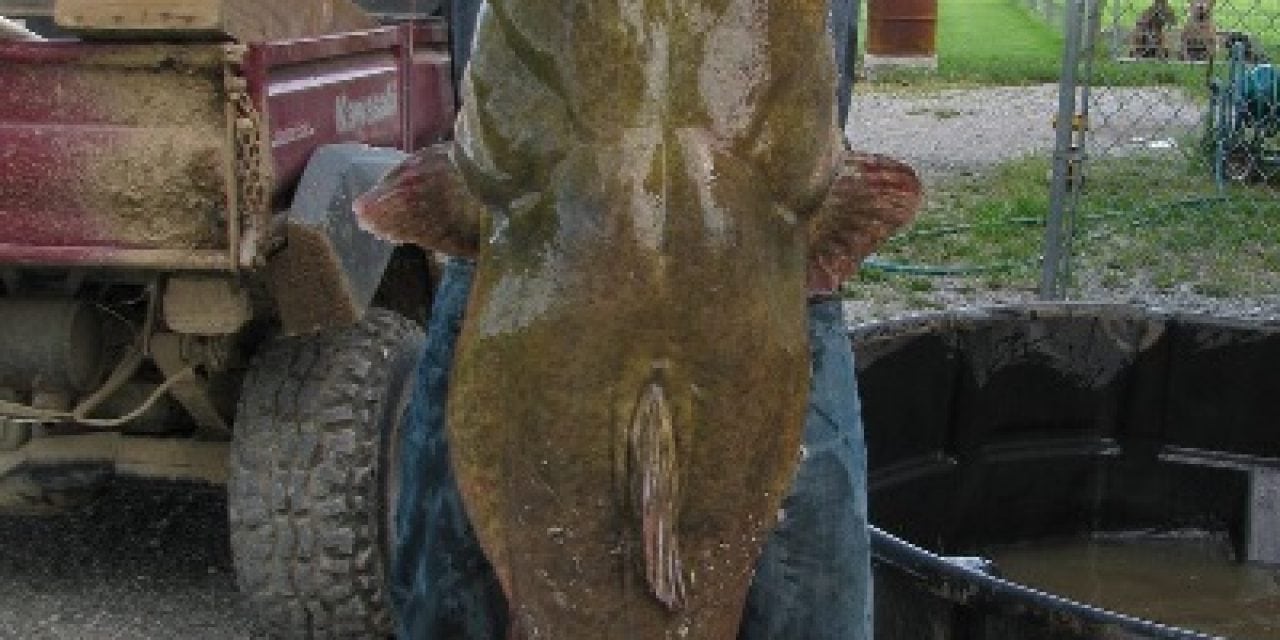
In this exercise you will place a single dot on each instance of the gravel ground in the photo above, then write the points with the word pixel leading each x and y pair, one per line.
pixel 150 561
pixel 954 131
pixel 957 131
pixel 147 561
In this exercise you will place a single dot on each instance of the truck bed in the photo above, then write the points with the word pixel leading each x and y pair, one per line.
pixel 176 156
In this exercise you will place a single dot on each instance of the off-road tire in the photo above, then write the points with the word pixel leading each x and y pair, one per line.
pixel 309 489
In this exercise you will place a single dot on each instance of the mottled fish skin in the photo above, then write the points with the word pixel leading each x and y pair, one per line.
pixel 630 384
pixel 631 380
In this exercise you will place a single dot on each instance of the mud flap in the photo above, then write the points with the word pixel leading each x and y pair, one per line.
pixel 329 269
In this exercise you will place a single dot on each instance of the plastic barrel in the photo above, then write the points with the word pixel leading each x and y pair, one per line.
pixel 1044 422
pixel 902 28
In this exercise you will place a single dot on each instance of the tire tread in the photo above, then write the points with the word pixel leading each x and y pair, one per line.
pixel 304 479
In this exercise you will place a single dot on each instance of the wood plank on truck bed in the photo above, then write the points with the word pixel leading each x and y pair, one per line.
pixel 25 8
pixel 242 20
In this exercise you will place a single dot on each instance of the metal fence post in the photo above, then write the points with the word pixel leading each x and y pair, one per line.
pixel 1065 163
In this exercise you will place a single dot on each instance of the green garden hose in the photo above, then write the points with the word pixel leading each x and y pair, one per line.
pixel 897 267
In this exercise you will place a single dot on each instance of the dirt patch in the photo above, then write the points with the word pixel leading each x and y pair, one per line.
pixel 155 178
pixel 159 188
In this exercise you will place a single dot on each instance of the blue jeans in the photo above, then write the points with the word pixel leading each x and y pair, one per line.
pixel 442 587
pixel 844 35
pixel 813 578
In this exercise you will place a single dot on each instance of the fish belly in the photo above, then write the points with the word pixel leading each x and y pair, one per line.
pixel 623 442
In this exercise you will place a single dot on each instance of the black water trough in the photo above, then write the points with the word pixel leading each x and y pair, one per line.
pixel 1018 424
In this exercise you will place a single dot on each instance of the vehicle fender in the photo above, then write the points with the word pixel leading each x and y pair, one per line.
pixel 326 274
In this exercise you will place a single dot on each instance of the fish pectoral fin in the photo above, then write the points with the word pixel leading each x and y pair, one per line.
pixel 423 201
pixel 872 197
pixel 653 479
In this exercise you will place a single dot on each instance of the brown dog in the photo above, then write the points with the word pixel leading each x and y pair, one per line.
pixel 1199 34
pixel 1148 39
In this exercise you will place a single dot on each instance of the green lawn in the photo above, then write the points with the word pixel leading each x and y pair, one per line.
pixel 1003 42
pixel 990 227
pixel 995 41
pixel 969 52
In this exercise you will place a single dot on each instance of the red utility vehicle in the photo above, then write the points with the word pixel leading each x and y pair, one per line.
pixel 186 295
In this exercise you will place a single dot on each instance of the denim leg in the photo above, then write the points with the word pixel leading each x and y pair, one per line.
pixel 441 584
pixel 813 580
pixel 844 35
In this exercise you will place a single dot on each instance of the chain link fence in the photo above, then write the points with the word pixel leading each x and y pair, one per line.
pixel 1166 177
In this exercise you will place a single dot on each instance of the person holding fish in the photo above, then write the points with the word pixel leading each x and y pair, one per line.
pixel 640 263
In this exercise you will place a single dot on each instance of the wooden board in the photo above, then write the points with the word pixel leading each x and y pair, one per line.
pixel 26 8
pixel 242 20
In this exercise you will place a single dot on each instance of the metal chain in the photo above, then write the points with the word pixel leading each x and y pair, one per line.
pixel 249 214
pixel 253 171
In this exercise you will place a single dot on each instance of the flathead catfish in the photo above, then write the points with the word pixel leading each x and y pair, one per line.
pixel 629 387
